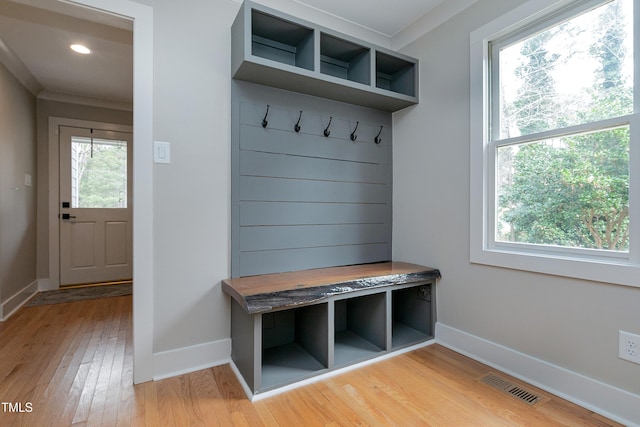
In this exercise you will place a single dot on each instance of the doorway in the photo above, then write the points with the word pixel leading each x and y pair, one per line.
pixel 143 267
pixel 95 206
pixel 142 170
pixel 143 238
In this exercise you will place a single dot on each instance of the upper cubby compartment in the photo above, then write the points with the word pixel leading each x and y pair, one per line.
pixel 281 41
pixel 395 74
pixel 272 48
pixel 344 59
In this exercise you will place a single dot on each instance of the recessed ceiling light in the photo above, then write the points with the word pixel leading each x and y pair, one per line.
pixel 80 49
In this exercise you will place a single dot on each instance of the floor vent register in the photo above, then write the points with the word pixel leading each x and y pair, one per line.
pixel 504 385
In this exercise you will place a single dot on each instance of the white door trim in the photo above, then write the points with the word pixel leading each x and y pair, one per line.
pixel 142 16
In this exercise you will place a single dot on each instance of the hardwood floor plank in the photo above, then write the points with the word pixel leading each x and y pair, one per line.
pixel 95 417
pixel 61 341
pixel 14 332
pixel 175 406
pixel 467 392
pixel 88 390
pixel 265 415
pixel 232 394
pixel 149 406
pixel 74 394
pixel 210 399
pixel 62 387
pixel 315 405
pixel 339 406
pixel 73 363
pixel 285 414
pixel 111 373
pixel 127 398
pixel 422 402
pixel 95 357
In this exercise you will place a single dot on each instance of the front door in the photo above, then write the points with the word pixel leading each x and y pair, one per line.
pixel 95 206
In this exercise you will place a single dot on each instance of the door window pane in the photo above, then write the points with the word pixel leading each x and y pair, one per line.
pixel 98 173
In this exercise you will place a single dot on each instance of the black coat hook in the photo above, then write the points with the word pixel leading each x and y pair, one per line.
pixel 353 134
pixel 264 121
pixel 327 132
pixel 377 139
pixel 297 126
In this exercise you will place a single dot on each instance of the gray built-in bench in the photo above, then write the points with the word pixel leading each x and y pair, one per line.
pixel 312 290
pixel 290 327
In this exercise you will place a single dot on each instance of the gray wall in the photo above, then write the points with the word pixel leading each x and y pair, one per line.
pixel 17 201
pixel 570 323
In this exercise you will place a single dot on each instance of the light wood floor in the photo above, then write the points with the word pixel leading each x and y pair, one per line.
pixel 73 363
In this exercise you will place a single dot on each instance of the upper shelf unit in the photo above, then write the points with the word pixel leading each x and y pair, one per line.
pixel 276 49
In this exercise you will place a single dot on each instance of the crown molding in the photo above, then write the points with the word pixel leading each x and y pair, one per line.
pixel 19 70
pixel 428 22
pixel 82 100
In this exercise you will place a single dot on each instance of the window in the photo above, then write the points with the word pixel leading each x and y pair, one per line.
pixel 98 173
pixel 554 144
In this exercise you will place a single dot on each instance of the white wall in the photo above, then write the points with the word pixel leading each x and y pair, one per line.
pixel 17 200
pixel 572 324
pixel 192 99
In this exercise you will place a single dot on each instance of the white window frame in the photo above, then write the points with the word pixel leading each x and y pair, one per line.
pixel 592 265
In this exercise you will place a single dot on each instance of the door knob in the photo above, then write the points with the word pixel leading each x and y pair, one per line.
pixel 67 216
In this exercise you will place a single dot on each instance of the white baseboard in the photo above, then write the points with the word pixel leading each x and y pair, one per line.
pixel 184 360
pixel 606 400
pixel 11 305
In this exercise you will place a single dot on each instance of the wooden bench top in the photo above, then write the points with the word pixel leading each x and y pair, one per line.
pixel 263 293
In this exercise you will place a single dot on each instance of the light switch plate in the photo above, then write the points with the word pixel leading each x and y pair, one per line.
pixel 161 152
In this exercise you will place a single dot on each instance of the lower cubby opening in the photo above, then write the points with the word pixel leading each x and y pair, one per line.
pixel 411 315
pixel 359 328
pixel 294 344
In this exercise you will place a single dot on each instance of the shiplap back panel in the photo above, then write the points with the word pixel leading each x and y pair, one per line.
pixel 301 200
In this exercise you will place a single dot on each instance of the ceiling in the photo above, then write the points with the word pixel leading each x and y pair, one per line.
pixel 53 71
pixel 382 16
pixel 36 40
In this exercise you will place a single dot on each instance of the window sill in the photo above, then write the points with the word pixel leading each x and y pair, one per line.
pixel 619 272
